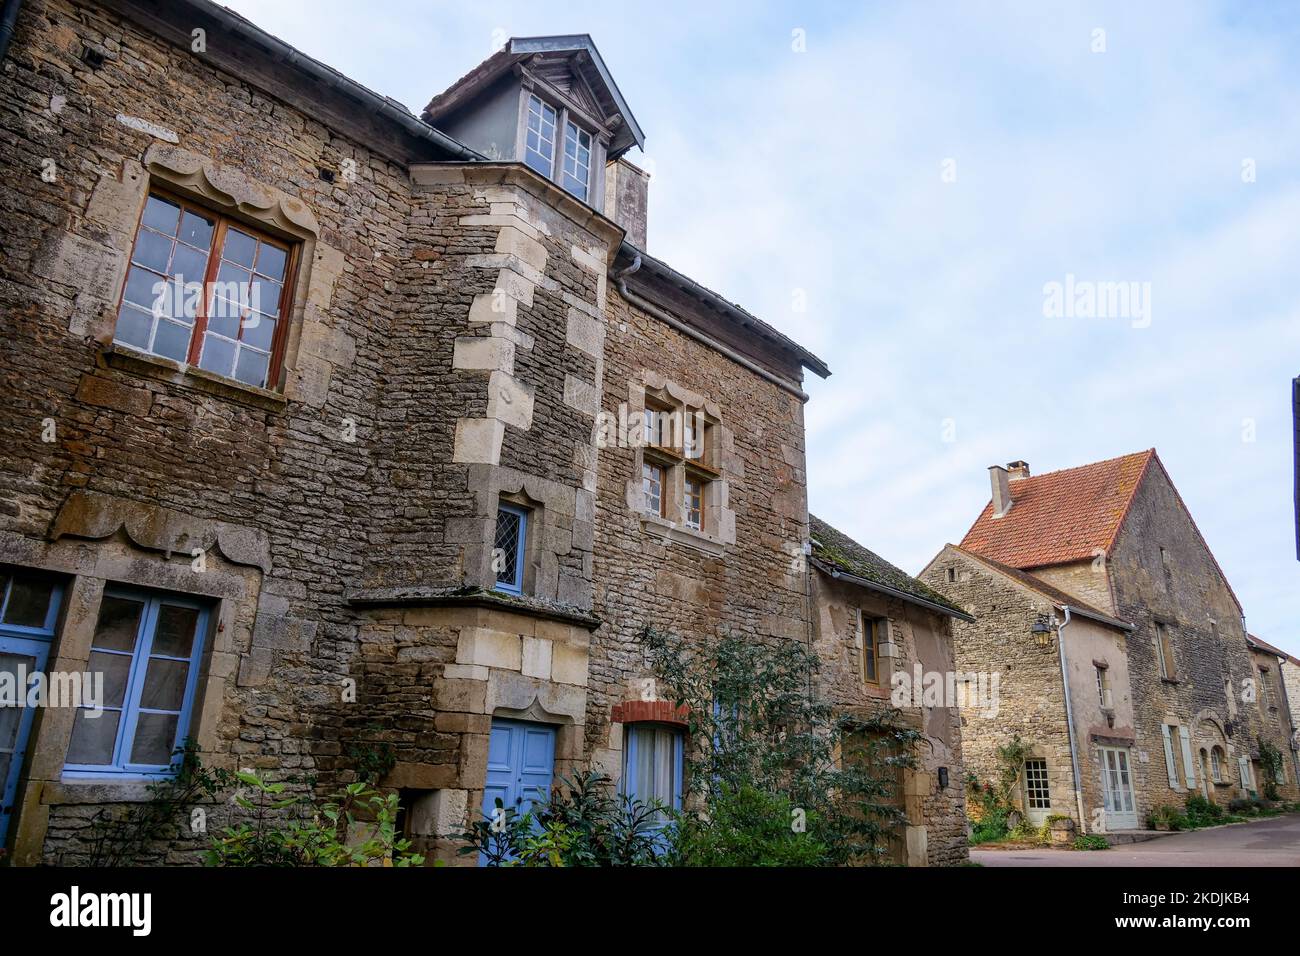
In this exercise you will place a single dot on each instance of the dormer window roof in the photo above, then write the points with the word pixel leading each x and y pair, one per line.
pixel 568 69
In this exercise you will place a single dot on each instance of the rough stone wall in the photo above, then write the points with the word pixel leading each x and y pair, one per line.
pixel 1031 695
pixel 692 585
pixel 149 433
pixel 1191 598
pixel 1271 706
pixel 936 830
pixel 1291 684
pixel 1087 580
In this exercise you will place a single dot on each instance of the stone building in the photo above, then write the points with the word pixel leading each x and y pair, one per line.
pixel 1278 697
pixel 399 469
pixel 880 633
pixel 1121 646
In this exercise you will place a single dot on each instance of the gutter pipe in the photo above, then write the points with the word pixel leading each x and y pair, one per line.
pixel 1069 720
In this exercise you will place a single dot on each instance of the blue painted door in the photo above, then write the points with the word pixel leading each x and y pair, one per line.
pixel 520 765
pixel 29 607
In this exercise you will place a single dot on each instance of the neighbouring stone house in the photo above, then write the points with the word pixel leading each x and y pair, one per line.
pixel 880 633
pixel 405 481
pixel 1277 698
pixel 1123 657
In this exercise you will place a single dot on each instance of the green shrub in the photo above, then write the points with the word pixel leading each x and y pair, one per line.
pixel 354 827
pixel 1092 841
pixel 991 828
pixel 747 828
pixel 583 822
pixel 1270 761
pixel 1202 812
pixel 763 747
pixel 1248 806
pixel 1165 817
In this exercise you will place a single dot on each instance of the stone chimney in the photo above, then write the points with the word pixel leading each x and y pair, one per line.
pixel 627 199
pixel 1017 470
pixel 1001 490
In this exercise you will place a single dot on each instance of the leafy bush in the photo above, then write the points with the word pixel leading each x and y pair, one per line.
pixel 764 753
pixel 991 802
pixel 1248 806
pixel 583 822
pixel 748 827
pixel 1270 761
pixel 1092 841
pixel 121 836
pixel 354 827
pixel 1202 812
pixel 991 827
pixel 1165 817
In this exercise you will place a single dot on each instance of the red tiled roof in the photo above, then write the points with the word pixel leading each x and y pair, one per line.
pixel 1062 516
pixel 1268 648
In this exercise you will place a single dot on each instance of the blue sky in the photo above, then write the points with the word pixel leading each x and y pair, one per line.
pixel 819 175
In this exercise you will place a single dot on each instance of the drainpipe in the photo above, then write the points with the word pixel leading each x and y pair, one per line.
pixel 1069 720
pixel 7 21
pixel 620 281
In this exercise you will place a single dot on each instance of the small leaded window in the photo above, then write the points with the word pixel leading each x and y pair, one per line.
pixel 508 549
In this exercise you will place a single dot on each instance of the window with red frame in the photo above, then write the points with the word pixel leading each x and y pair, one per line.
pixel 207 290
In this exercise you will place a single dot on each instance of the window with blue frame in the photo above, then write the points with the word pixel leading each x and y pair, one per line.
pixel 147 647
pixel 652 765
pixel 509 548
pixel 29 611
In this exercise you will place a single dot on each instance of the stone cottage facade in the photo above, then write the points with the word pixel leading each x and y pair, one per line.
pixel 880 633
pixel 1124 662
pixel 1279 692
pixel 404 481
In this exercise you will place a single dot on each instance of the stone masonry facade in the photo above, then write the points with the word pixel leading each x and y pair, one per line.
pixel 457 333
pixel 1193 728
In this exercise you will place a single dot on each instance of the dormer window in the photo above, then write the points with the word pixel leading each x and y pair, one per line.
pixel 539 148
pixel 571 168
pixel 577 161
pixel 570 122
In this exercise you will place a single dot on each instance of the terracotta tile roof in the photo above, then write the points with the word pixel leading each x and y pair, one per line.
pixel 1268 648
pixel 1061 516
pixel 1054 594
pixel 836 550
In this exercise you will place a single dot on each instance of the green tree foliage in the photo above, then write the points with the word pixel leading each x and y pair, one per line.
pixel 354 827
pixel 773 774
pixel 584 822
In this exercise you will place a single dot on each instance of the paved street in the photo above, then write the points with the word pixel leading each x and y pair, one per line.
pixel 1271 842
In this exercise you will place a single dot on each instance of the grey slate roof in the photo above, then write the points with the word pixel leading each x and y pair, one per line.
pixel 835 550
